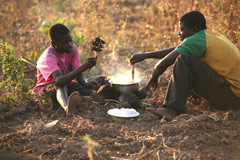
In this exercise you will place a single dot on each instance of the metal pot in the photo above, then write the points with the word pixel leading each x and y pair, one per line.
pixel 128 87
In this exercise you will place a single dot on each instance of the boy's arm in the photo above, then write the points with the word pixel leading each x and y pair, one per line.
pixel 81 79
pixel 61 80
pixel 138 57
pixel 161 67
pixel 91 85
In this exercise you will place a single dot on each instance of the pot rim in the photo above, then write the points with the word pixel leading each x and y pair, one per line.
pixel 124 84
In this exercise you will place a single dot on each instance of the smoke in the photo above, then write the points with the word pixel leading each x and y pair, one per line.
pixel 118 68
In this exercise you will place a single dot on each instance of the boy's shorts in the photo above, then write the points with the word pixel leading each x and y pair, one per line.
pixel 49 92
pixel 49 99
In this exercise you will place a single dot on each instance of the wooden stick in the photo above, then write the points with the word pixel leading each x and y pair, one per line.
pixel 133 73
pixel 28 62
pixel 95 54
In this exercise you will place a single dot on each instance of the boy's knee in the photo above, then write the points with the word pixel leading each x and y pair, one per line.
pixel 187 59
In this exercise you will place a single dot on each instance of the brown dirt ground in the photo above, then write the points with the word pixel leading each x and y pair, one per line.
pixel 202 133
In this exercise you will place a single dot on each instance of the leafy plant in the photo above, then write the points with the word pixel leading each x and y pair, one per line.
pixel 45 26
pixel 90 145
pixel 33 56
pixel 76 34
pixel 238 31
pixel 78 37
pixel 34 10
pixel 62 5
pixel 1 14
pixel 13 84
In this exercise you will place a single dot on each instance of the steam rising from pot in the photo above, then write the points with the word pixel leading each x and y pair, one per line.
pixel 119 69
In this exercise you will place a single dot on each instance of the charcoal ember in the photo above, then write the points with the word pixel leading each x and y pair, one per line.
pixel 107 92
pixel 97 97
pixel 102 80
pixel 130 98
pixel 142 93
pixel 124 105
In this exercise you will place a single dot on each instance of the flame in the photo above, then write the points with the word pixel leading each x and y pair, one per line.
pixel 125 77
pixel 119 69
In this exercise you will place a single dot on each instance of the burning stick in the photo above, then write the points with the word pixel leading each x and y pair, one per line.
pixel 97 45
pixel 133 73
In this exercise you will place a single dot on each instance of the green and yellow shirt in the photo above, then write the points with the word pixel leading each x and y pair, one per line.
pixel 216 51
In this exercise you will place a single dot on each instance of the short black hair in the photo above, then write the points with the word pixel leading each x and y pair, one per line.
pixel 194 19
pixel 58 30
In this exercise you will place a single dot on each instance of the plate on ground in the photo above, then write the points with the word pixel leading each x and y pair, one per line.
pixel 123 112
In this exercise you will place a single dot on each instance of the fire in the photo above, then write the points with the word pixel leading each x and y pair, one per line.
pixel 119 69
pixel 125 77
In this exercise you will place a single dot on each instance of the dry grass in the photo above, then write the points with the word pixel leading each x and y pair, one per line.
pixel 136 25
pixel 127 26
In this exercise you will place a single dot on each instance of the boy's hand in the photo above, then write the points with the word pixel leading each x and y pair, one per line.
pixel 92 84
pixel 136 57
pixel 91 62
pixel 152 84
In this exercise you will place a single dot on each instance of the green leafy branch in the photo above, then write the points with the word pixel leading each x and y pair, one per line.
pixel 90 145
pixel 13 83
pixel 76 34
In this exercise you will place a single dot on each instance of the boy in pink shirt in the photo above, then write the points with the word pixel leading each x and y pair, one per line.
pixel 57 68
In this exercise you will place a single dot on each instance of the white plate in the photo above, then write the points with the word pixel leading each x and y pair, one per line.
pixel 123 112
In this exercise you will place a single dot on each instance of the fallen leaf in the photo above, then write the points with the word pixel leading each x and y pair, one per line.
pixel 51 124
pixel 214 116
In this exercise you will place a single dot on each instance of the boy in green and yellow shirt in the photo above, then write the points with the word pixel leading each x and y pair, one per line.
pixel 206 63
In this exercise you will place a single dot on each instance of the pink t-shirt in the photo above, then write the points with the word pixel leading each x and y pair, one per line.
pixel 51 61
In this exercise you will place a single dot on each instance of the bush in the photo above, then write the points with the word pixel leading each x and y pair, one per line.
pixel 13 85
pixel 76 34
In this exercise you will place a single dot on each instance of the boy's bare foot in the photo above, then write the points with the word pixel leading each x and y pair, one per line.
pixel 73 101
pixel 168 113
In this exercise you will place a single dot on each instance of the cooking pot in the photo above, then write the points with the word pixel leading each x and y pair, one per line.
pixel 121 87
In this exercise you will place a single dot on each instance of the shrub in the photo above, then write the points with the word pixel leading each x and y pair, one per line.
pixel 76 34
pixel 13 85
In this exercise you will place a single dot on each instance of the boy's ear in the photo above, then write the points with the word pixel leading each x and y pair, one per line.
pixel 194 29
pixel 53 43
